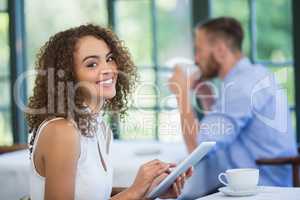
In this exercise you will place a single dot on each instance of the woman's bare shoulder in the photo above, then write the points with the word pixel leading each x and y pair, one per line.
pixel 59 135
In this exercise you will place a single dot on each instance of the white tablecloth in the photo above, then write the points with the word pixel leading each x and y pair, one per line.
pixel 265 193
pixel 14 175
pixel 126 162
pixel 14 167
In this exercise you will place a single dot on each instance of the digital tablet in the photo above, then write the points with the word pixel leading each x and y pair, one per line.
pixel 189 161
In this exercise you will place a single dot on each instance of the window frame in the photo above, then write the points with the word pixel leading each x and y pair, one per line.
pixel 3 78
pixel 17 67
pixel 296 45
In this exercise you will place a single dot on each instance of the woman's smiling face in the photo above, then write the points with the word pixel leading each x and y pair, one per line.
pixel 95 68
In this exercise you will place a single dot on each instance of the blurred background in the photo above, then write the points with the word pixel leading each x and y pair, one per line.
pixel 155 32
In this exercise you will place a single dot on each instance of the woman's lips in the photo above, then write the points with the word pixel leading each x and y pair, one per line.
pixel 106 83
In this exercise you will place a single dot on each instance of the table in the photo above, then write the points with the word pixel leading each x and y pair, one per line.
pixel 265 193
pixel 126 160
pixel 14 175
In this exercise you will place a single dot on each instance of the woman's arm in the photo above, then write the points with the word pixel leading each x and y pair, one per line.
pixel 60 148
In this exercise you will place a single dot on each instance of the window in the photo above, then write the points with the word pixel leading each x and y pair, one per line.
pixel 268 39
pixel 6 136
pixel 3 5
pixel 45 19
pixel 154 31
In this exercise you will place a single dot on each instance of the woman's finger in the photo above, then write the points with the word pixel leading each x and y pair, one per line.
pixel 183 179
pixel 175 189
pixel 189 172
pixel 153 162
pixel 178 184
pixel 155 171
pixel 181 183
pixel 162 170
pixel 172 165
pixel 157 181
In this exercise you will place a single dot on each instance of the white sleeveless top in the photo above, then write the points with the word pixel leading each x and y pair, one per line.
pixel 92 182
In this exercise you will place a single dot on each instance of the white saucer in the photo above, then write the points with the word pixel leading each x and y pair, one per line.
pixel 229 192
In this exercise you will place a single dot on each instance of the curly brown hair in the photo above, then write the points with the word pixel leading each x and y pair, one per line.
pixel 52 94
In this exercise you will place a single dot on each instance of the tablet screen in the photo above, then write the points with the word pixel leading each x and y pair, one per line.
pixel 189 161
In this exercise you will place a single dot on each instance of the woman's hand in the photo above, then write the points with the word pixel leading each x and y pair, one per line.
pixel 175 190
pixel 148 177
pixel 145 178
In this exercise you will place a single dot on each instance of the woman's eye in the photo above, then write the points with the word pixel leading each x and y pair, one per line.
pixel 92 65
pixel 110 59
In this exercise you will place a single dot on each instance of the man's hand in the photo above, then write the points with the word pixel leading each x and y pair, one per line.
pixel 179 83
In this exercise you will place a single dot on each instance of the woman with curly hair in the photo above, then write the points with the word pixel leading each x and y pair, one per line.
pixel 82 73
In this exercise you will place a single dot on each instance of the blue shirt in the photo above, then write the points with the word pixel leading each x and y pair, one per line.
pixel 249 120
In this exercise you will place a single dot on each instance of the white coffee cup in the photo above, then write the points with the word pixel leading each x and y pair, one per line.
pixel 188 66
pixel 240 179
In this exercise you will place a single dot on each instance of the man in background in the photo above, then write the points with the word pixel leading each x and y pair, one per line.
pixel 247 115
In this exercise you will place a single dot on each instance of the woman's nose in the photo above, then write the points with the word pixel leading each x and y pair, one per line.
pixel 106 69
pixel 105 65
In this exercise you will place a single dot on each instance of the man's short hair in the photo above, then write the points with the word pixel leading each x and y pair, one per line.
pixel 226 28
